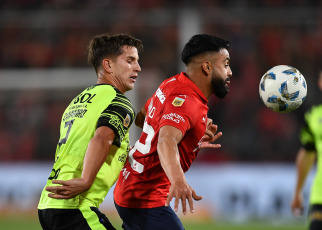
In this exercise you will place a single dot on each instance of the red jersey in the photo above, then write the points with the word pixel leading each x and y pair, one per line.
pixel 177 102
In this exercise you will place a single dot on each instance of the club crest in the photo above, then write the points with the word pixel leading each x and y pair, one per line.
pixel 178 101
pixel 127 121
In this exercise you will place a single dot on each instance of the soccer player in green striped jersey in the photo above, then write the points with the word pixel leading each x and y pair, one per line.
pixel 311 151
pixel 94 139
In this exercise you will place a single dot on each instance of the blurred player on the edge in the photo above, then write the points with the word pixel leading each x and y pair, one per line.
pixel 311 150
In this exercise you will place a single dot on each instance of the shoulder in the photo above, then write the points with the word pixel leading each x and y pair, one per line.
pixel 174 89
pixel 99 92
pixel 112 93
pixel 315 109
pixel 173 86
pixel 313 116
pixel 100 88
pixel 184 94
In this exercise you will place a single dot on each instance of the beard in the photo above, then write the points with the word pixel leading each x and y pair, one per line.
pixel 219 86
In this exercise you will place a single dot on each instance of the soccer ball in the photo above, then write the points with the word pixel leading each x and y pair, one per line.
pixel 283 88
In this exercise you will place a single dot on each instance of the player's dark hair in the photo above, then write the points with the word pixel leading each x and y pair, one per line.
pixel 202 43
pixel 107 45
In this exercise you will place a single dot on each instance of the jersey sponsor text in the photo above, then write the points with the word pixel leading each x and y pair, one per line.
pixel 174 117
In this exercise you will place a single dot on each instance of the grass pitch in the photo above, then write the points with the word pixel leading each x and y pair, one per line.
pixel 31 223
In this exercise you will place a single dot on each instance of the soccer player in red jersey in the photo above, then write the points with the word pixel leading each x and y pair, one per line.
pixel 175 120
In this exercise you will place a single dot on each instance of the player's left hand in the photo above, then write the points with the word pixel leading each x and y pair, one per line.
pixel 67 189
pixel 210 135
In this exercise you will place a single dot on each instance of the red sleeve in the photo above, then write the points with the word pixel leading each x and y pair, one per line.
pixel 179 112
pixel 146 106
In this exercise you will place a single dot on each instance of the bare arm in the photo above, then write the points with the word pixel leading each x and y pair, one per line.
pixel 95 156
pixel 304 162
pixel 169 137
pixel 140 117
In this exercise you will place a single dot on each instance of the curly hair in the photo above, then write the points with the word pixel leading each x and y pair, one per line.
pixel 202 43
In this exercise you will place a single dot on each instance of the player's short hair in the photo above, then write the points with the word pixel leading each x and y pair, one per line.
pixel 202 43
pixel 107 45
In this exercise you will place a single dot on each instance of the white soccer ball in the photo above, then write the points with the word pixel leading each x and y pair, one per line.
pixel 283 88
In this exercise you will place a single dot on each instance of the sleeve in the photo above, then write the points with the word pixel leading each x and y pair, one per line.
pixel 306 136
pixel 179 112
pixel 146 106
pixel 118 118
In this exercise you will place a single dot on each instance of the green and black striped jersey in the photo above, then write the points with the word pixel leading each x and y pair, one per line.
pixel 311 139
pixel 96 106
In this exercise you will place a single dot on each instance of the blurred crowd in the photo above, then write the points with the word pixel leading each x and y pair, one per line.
pixel 54 34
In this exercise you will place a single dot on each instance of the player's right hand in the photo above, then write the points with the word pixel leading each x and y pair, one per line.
pixel 182 191
pixel 67 189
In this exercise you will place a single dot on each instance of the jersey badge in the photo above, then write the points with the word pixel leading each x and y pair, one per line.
pixel 178 101
pixel 127 121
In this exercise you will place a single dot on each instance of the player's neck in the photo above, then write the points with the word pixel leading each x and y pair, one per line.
pixel 108 79
pixel 200 81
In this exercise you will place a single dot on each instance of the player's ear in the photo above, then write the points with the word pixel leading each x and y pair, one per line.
pixel 206 68
pixel 107 64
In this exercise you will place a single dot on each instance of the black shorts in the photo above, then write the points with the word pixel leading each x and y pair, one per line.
pixel 81 219
pixel 315 217
pixel 159 218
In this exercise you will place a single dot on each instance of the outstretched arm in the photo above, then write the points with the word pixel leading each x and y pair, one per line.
pixel 304 162
pixel 95 156
pixel 167 148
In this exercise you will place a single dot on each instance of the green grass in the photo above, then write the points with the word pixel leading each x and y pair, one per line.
pixel 31 223
pixel 20 223
pixel 242 226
